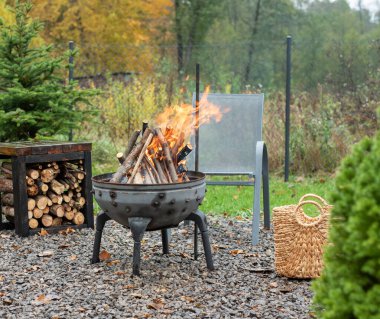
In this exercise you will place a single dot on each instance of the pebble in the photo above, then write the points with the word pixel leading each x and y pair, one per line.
pixel 40 278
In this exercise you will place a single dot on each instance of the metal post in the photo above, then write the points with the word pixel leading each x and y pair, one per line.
pixel 287 103
pixel 197 72
pixel 71 76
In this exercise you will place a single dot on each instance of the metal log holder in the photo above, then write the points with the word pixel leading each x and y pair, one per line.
pixel 151 207
pixel 23 153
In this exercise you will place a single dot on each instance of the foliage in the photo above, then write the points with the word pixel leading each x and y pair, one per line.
pixel 123 108
pixel 33 98
pixel 108 33
pixel 349 286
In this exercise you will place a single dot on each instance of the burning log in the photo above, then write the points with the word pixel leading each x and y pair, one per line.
pixel 123 169
pixel 169 160
pixel 141 156
pixel 184 152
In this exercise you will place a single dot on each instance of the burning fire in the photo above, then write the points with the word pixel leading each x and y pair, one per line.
pixel 162 158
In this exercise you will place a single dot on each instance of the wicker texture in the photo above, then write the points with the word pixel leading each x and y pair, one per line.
pixel 299 239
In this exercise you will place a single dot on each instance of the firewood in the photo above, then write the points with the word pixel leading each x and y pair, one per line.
pixel 78 219
pixel 138 178
pixel 70 194
pixel 57 221
pixel 66 185
pixel 53 197
pixel 48 174
pixel 72 181
pixel 77 195
pixel 50 203
pixel 66 198
pixel 7 165
pixel 160 172
pixel 32 173
pixel 79 175
pixel 30 214
pixel 57 187
pixel 31 203
pixel 6 172
pixel 135 152
pixel 168 157
pixel 32 190
pixel 78 189
pixel 166 171
pixel 57 210
pixel 55 166
pixel 145 125
pixel 33 223
pixel 37 213
pixel 6 185
pixel 131 143
pixel 7 199
pixel 141 156
pixel 144 174
pixel 184 152
pixel 69 215
pixel 152 169
pixel 120 157
pixel 42 186
pixel 29 181
pixel 81 201
pixel 72 202
pixel 41 201
pixel 67 207
pixel 8 211
pixel 46 210
pixel 47 220
pixel 180 140
pixel 70 166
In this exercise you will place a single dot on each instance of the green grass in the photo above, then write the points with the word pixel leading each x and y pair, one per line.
pixel 238 200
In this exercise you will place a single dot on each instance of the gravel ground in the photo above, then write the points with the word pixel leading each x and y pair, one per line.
pixel 51 277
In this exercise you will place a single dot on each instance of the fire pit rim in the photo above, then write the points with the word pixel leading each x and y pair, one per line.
pixel 196 178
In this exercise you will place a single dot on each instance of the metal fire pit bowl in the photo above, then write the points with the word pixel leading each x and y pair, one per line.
pixel 142 207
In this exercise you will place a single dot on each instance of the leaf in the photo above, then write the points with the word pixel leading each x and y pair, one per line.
pixel 67 231
pixel 73 257
pixel 104 255
pixel 156 304
pixel 5 235
pixel 129 286
pixel 1 278
pixel 42 299
pixel 46 253
pixel 64 246
pixel 2 294
pixel 184 255
pixel 43 232
pixel 113 262
pixel 235 252
pixel 273 284
pixel 187 299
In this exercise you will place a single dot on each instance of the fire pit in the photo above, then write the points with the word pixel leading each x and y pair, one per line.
pixel 151 207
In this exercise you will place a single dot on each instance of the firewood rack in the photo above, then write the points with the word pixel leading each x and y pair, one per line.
pixel 23 153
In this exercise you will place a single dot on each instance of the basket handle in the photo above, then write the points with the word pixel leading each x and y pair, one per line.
pixel 317 219
pixel 323 201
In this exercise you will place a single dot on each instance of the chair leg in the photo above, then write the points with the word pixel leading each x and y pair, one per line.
pixel 195 241
pixel 165 241
pixel 201 222
pixel 101 220
pixel 256 211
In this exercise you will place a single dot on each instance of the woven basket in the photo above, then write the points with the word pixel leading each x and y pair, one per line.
pixel 299 239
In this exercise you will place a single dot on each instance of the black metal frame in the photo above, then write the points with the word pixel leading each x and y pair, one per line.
pixel 138 227
pixel 19 164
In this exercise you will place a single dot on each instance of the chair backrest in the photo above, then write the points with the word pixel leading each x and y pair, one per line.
pixel 229 147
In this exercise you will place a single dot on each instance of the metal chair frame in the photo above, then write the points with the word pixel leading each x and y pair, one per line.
pixel 260 174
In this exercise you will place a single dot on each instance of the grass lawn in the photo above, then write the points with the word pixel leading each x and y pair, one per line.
pixel 238 200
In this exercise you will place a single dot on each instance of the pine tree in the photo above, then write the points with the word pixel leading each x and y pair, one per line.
pixel 34 99
pixel 350 283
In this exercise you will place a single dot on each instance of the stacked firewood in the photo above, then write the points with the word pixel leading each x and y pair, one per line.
pixel 159 157
pixel 55 195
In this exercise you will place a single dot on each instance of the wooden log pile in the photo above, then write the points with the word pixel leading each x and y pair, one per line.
pixel 54 193
pixel 153 156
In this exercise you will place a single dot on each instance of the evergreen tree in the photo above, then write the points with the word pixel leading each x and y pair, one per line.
pixel 34 99
pixel 350 283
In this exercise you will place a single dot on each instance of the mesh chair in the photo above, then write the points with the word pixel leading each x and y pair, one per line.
pixel 234 146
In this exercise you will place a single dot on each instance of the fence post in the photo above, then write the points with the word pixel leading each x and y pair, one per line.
pixel 71 76
pixel 287 104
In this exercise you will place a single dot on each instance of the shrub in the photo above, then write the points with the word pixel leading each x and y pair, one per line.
pixel 350 283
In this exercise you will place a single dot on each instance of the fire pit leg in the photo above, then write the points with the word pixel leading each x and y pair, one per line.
pixel 138 226
pixel 100 222
pixel 201 222
pixel 165 241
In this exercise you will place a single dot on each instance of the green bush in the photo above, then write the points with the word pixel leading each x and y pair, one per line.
pixel 350 283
